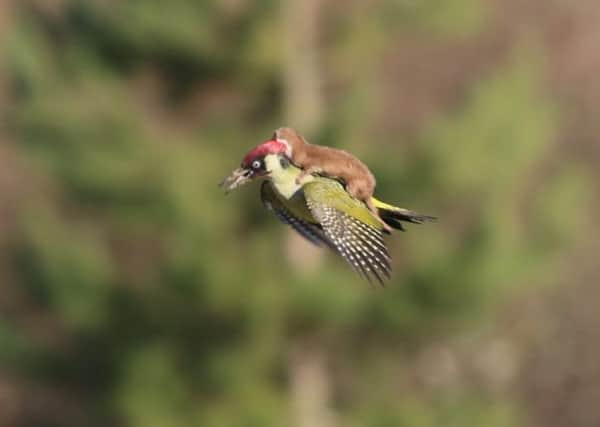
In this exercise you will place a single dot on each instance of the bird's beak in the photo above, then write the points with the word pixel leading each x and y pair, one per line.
pixel 238 177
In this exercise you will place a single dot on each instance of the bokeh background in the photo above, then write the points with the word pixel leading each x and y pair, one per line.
pixel 133 292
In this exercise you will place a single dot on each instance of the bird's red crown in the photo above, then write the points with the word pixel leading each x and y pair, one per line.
pixel 268 147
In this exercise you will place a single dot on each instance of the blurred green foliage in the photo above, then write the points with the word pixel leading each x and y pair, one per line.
pixel 174 301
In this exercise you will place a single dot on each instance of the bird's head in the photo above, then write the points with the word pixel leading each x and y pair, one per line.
pixel 258 162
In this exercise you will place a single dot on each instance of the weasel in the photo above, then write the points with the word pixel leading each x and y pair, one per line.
pixel 360 182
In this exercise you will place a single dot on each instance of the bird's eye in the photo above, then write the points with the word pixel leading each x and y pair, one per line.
pixel 256 164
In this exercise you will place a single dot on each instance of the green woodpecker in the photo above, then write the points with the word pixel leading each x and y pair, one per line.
pixel 321 210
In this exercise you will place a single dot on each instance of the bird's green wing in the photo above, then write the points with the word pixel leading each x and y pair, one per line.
pixel 294 213
pixel 348 223
pixel 335 195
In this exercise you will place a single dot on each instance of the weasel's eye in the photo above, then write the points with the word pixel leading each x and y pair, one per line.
pixel 256 164
pixel 284 162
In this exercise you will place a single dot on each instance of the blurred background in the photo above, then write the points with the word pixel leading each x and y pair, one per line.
pixel 133 292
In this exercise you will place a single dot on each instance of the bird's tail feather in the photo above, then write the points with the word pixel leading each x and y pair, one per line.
pixel 394 216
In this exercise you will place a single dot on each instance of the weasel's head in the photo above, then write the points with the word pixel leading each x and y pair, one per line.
pixel 292 139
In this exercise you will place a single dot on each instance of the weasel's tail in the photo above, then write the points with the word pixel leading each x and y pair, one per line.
pixel 393 215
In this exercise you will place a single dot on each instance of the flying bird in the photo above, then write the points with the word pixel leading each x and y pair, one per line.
pixel 322 210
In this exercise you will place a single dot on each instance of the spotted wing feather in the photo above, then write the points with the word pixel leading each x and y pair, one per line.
pixel 360 244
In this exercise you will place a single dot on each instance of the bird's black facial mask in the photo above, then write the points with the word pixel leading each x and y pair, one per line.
pixel 258 167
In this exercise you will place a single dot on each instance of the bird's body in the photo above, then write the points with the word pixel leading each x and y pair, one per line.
pixel 314 189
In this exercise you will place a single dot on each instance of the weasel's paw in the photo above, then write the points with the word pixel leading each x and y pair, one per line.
pixel 301 179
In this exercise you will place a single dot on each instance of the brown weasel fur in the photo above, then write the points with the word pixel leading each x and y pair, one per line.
pixel 360 182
